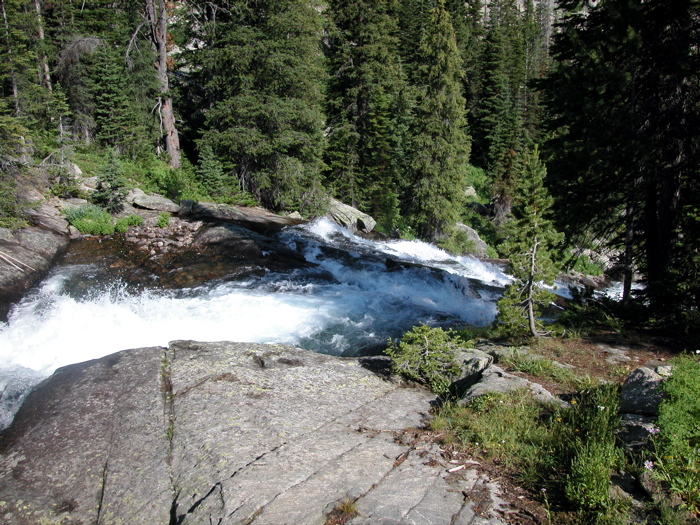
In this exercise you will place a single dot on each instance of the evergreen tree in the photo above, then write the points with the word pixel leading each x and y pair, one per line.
pixel 530 239
pixel 261 73
pixel 111 186
pixel 623 97
pixel 440 144
pixel 367 108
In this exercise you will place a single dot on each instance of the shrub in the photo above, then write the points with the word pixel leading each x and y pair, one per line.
pixel 163 220
pixel 426 355
pixel 91 220
pixel 124 223
pixel 677 458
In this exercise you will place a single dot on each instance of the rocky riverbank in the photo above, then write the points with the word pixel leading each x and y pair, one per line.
pixel 231 433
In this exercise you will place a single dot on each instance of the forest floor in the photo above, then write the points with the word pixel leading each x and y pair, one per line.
pixel 606 357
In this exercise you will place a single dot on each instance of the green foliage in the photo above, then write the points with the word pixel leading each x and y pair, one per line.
pixel 123 224
pixel 368 104
pixel 163 220
pixel 426 355
pixel 261 75
pixel 90 219
pixel 584 265
pixel 570 451
pixel 111 185
pixel 440 144
pixel 529 242
pixel 677 451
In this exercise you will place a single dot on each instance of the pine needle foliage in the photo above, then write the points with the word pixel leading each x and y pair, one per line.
pixel 530 238
pixel 440 143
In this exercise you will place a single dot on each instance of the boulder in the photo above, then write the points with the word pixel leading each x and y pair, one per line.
pixel 480 247
pixel 25 257
pixel 349 217
pixel 151 202
pixel 258 219
pixel 472 363
pixel 229 433
pixel 636 430
pixel 641 393
pixel 496 380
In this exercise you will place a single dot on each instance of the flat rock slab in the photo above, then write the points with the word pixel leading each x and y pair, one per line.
pixel 229 433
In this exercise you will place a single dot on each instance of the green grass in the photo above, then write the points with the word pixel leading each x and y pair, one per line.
pixel 90 219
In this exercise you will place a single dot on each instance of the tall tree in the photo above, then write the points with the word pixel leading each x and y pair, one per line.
pixel 157 16
pixel 440 144
pixel 623 96
pixel 260 78
pixel 367 108
pixel 530 241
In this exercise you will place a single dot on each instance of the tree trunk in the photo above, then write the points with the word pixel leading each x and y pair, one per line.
pixel 628 256
pixel 44 65
pixel 159 32
pixel 13 75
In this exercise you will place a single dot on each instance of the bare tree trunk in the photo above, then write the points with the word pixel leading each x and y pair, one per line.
pixel 628 256
pixel 13 75
pixel 159 33
pixel 46 73
pixel 531 291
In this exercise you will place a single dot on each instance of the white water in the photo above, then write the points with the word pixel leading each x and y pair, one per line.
pixel 351 303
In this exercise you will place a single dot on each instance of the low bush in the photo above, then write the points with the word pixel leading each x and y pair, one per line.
pixel 90 219
pixel 124 223
pixel 426 355
pixel 677 445
pixel 163 220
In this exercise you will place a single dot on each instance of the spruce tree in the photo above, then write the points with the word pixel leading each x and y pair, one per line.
pixel 440 143
pixel 111 186
pixel 623 97
pixel 259 80
pixel 367 108
pixel 530 241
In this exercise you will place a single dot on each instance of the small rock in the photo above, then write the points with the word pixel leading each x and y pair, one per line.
pixel 641 393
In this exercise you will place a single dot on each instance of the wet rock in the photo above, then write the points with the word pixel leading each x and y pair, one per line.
pixel 641 393
pixel 25 257
pixel 349 217
pixel 227 433
pixel 480 247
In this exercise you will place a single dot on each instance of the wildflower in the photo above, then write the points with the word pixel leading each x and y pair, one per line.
pixel 543 489
pixel 573 401
pixel 601 407
pixel 654 430
pixel 649 465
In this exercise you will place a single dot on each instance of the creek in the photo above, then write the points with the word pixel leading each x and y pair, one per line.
pixel 355 295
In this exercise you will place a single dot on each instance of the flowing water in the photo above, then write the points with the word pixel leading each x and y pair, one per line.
pixel 356 295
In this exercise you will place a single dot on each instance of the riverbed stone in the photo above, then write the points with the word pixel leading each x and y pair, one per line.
pixel 229 433
pixel 349 217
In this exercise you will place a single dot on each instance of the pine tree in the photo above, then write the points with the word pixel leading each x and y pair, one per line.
pixel 530 239
pixel 111 186
pixel 440 144
pixel 261 73
pixel 623 96
pixel 367 108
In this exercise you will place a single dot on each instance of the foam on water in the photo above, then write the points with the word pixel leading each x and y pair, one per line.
pixel 350 302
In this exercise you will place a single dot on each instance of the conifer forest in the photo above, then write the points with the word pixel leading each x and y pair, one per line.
pixel 570 124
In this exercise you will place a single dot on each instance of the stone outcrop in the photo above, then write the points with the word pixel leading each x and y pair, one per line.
pixel 258 219
pixel 140 199
pixel 496 380
pixel 230 433
pixel 479 246
pixel 27 254
pixel 349 217
pixel 641 393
